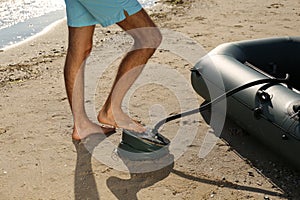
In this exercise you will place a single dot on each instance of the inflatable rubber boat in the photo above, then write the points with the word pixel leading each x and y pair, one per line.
pixel 269 111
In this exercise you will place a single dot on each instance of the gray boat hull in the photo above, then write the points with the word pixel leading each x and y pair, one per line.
pixel 267 111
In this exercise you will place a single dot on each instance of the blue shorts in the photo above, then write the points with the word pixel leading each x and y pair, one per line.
pixel 105 12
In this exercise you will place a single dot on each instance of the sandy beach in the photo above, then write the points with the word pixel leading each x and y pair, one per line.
pixel 39 160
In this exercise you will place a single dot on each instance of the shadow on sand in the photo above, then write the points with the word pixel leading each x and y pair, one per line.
pixel 127 189
pixel 85 186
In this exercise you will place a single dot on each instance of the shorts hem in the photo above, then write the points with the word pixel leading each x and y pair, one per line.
pixel 113 20
pixel 81 25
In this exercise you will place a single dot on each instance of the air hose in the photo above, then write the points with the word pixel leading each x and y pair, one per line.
pixel 220 98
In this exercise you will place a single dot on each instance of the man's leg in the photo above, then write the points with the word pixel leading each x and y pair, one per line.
pixel 80 45
pixel 147 38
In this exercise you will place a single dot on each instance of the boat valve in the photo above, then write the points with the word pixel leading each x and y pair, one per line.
pixel 263 96
pixel 296 109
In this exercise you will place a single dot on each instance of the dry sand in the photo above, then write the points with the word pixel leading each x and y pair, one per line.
pixel 40 161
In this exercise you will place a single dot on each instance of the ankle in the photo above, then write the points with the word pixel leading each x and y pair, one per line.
pixel 106 117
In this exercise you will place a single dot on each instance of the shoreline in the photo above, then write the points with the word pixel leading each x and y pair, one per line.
pixel 38 25
pixel 22 61
pixel 40 161
pixel 36 35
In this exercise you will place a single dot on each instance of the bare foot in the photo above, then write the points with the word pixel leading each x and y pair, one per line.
pixel 89 128
pixel 120 120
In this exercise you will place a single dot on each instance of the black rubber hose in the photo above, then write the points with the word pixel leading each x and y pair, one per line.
pixel 218 99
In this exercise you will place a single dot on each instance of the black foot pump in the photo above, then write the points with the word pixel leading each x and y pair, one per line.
pixel 152 145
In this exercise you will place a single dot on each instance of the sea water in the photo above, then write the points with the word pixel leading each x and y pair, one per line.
pixel 21 19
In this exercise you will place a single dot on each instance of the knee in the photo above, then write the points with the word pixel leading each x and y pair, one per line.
pixel 151 39
pixel 156 39
pixel 87 51
pixel 80 51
